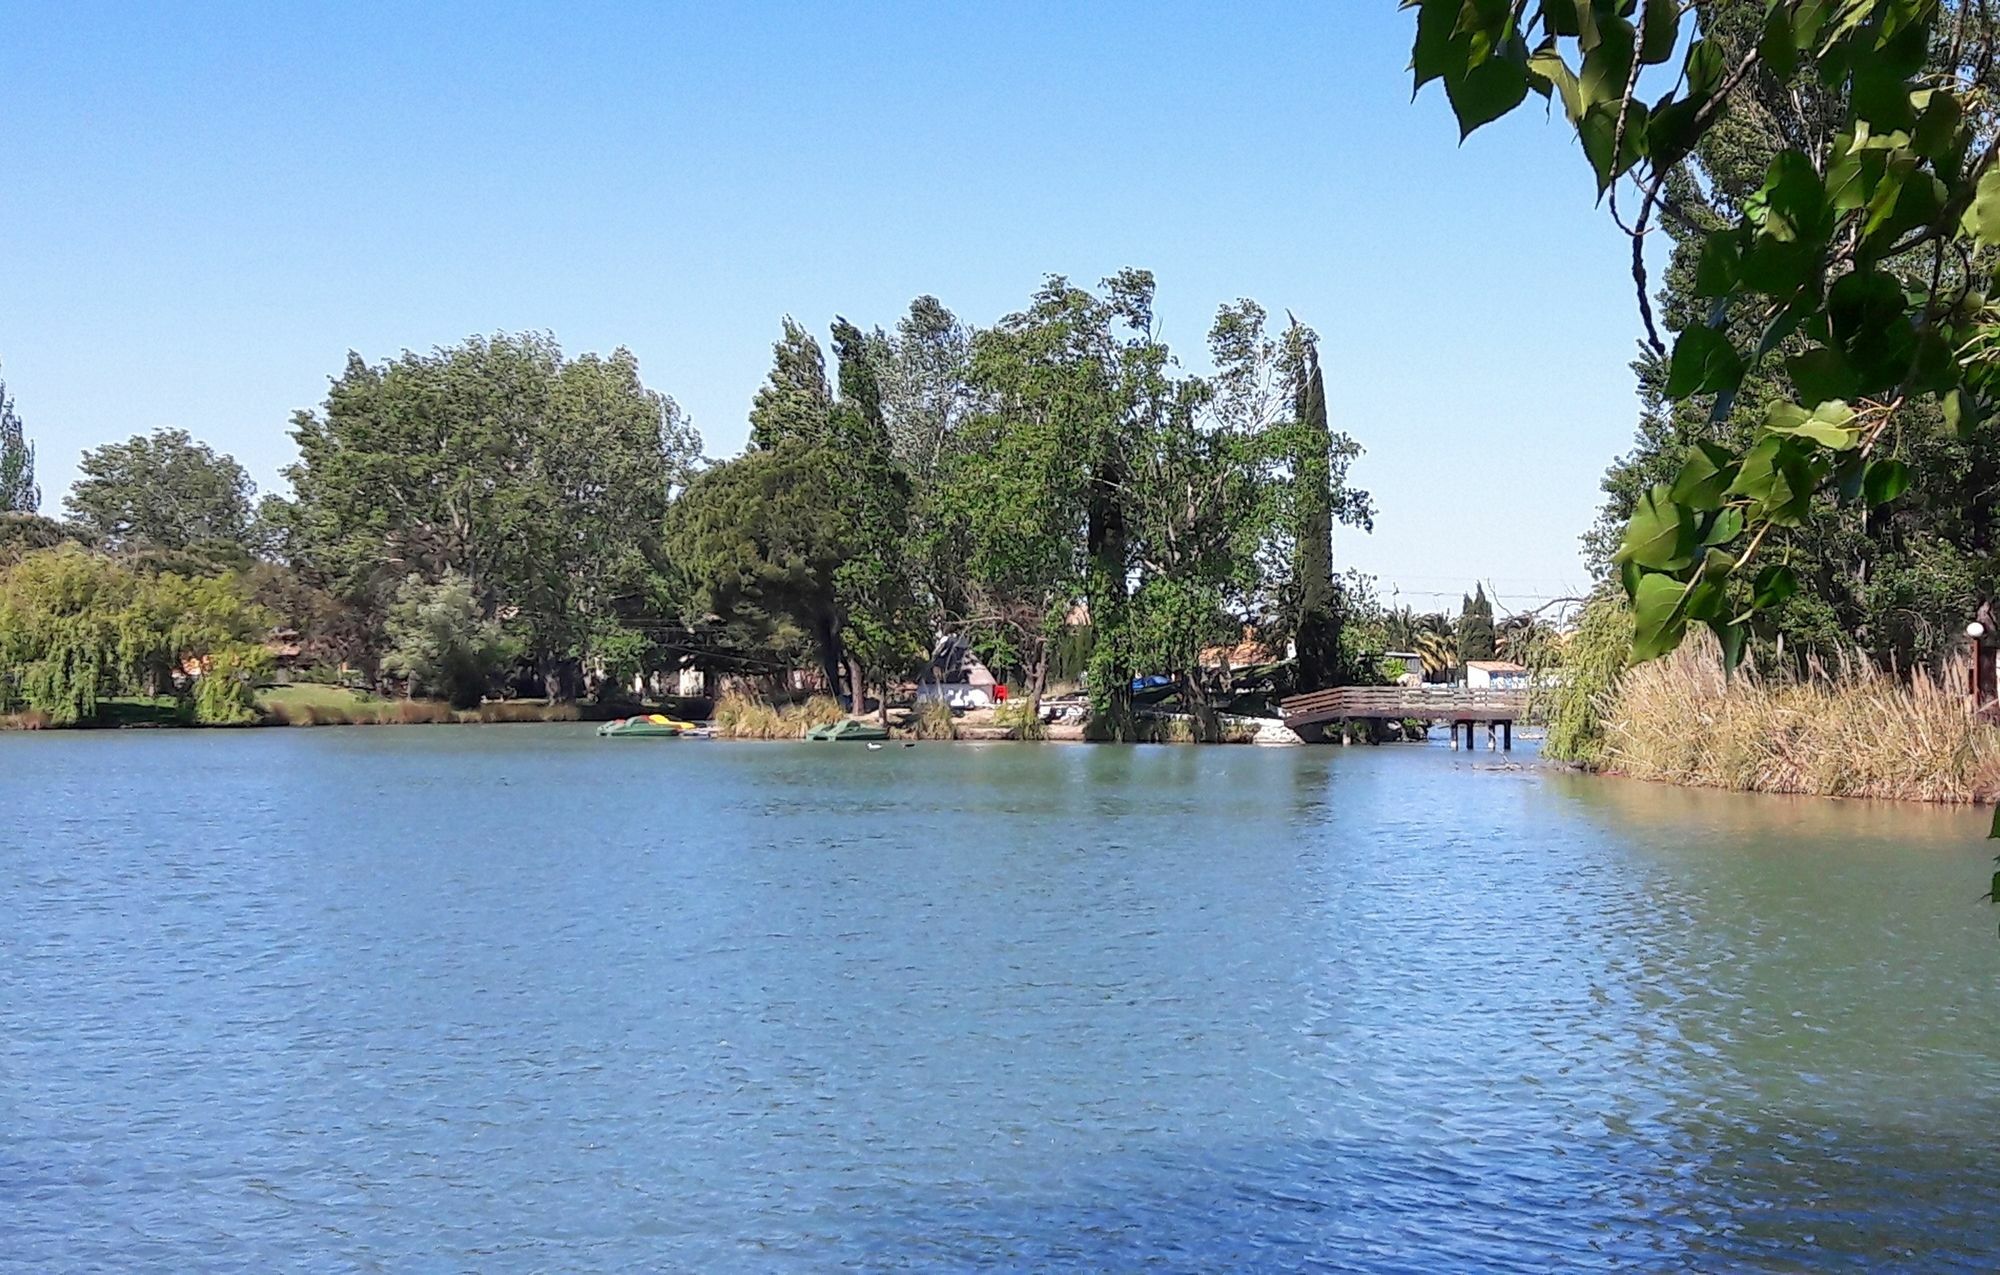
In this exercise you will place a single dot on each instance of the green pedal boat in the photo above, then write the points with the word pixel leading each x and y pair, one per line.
pixel 849 730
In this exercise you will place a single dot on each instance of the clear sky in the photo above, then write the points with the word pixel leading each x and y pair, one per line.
pixel 202 208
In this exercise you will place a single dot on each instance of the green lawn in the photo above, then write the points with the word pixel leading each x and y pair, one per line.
pixel 311 694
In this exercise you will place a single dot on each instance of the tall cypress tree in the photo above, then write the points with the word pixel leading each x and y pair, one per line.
pixel 1475 627
pixel 1318 632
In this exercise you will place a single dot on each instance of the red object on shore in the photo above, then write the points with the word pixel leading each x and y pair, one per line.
pixel 1000 690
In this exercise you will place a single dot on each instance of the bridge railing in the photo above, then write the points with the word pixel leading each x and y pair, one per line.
pixel 1406 701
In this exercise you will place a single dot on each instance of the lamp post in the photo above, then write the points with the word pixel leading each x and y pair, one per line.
pixel 1985 676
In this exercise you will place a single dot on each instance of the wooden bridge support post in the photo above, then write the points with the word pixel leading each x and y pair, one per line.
pixel 1454 735
pixel 1507 736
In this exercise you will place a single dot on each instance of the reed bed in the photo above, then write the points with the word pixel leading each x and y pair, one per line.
pixel 1850 731
pixel 741 717
pixel 26 719
pixel 515 710
pixel 402 712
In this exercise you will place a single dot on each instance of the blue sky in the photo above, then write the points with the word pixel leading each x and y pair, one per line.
pixel 203 208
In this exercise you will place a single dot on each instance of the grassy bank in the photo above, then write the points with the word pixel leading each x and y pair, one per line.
pixel 1847 732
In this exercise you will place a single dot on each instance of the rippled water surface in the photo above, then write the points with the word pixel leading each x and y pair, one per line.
pixel 514 998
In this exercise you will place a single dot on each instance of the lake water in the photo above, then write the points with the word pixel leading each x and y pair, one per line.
pixel 515 998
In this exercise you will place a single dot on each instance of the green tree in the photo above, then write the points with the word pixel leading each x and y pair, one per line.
pixel 884 634
pixel 1475 627
pixel 76 627
pixel 1896 580
pixel 59 640
pixel 1885 160
pixel 543 480
pixel 443 642
pixel 162 491
pixel 1092 368
pixel 18 492
pixel 761 540
pixel 795 404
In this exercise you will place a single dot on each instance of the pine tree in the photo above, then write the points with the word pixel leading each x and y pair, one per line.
pixel 18 492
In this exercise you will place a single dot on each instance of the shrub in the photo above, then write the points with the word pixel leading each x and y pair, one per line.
pixel 440 639
pixel 1019 717
pixel 26 719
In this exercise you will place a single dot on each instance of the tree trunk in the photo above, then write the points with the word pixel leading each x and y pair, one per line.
pixel 882 709
pixel 1207 726
pixel 827 637
pixel 559 680
pixel 1038 678
pixel 858 688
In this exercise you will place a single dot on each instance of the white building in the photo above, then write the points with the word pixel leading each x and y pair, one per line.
pixel 1498 675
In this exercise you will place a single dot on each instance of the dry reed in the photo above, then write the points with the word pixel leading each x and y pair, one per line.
pixel 527 711
pixel 1853 731
pixel 741 717
pixel 932 719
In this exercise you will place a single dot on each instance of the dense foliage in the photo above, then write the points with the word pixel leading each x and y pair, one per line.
pixel 78 627
pixel 1057 490
pixel 1827 171
pixel 166 491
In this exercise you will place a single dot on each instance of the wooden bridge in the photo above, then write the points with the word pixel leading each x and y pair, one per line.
pixel 1312 714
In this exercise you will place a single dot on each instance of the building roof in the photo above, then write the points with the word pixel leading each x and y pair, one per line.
pixel 1496 666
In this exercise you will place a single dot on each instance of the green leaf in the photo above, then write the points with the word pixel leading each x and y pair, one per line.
pixel 1608 63
pixel 1778 48
pixel 1719 267
pixel 1992 835
pixel 1830 424
pixel 1436 53
pixel 1732 638
pixel 1661 534
pixel 1774 584
pixel 1724 527
pixel 1886 480
pixel 1708 596
pixel 1821 373
pixel 1486 92
pixel 1549 64
pixel 1705 67
pixel 1658 622
pixel 1660 31
pixel 1961 412
pixel 1792 206
pixel 1982 219
pixel 1704 362
pixel 1704 477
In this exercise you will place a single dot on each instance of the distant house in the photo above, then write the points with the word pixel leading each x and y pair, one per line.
pixel 1498 675
pixel 1250 650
